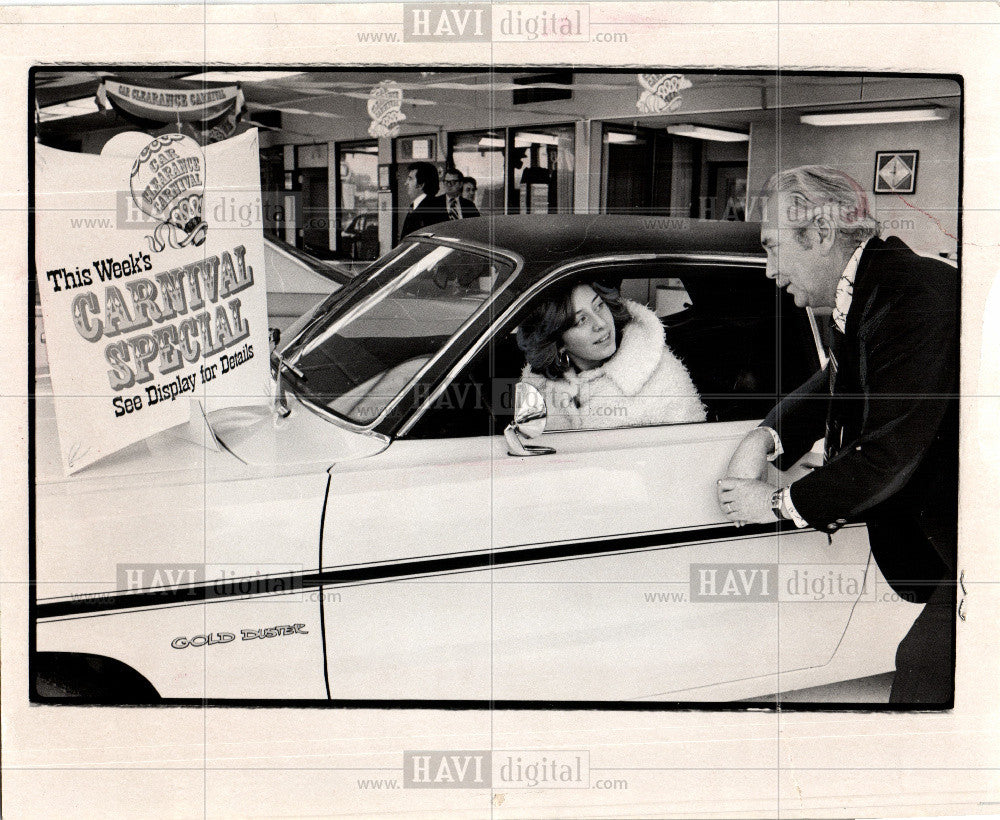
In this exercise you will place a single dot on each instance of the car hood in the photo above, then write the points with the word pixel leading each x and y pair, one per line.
pixel 252 443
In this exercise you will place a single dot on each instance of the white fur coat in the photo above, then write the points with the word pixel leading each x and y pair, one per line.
pixel 643 383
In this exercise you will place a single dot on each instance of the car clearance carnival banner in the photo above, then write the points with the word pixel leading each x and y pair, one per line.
pixel 150 269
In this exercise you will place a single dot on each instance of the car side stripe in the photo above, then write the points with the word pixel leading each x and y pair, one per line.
pixel 397 570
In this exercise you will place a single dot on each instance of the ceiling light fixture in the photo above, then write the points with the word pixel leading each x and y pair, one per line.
pixel 702 132
pixel 70 108
pixel 888 115
pixel 242 76
pixel 617 137
pixel 526 140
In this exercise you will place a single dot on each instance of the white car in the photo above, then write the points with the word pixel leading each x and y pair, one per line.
pixel 369 538
pixel 297 281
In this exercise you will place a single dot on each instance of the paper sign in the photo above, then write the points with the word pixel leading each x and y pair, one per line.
pixel 150 268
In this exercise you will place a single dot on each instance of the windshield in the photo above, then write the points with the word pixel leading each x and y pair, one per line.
pixel 359 357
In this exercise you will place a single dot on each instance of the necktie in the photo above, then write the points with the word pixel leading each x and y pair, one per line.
pixel 453 212
pixel 834 428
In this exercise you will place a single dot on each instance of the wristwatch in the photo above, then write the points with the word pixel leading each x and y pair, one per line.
pixel 776 499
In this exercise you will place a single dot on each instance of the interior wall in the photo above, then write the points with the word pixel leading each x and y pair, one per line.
pixel 926 220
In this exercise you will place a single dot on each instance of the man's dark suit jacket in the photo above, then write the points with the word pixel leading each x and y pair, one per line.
pixel 469 209
pixel 890 415
pixel 428 212
pixel 432 210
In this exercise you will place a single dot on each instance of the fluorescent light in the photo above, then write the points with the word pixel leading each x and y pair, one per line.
pixel 302 112
pixel 242 76
pixel 491 142
pixel 876 117
pixel 618 137
pixel 701 132
pixel 70 108
pixel 525 140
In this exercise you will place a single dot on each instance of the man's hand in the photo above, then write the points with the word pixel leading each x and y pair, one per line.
pixel 750 458
pixel 746 501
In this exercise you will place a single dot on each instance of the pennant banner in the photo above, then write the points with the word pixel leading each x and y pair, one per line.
pixel 166 104
pixel 150 267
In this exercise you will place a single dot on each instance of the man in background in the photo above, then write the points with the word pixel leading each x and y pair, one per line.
pixel 422 187
pixel 886 406
pixel 455 205
pixel 469 188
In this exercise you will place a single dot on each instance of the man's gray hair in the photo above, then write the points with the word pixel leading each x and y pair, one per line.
pixel 818 190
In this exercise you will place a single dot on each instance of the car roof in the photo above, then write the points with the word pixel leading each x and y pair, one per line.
pixel 543 239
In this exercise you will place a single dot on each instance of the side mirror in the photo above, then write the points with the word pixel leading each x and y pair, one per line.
pixel 529 422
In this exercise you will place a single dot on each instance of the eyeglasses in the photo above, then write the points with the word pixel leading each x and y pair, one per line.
pixel 452 181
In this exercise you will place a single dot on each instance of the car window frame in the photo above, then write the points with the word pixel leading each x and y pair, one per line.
pixel 376 426
pixel 569 270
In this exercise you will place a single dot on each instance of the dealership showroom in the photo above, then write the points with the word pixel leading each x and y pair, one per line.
pixel 338 150
pixel 583 141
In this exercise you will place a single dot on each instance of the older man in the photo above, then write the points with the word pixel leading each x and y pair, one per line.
pixel 886 405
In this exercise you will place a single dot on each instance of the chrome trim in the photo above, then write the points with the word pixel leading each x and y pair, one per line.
pixel 553 276
pixel 337 421
pixel 690 258
pixel 518 262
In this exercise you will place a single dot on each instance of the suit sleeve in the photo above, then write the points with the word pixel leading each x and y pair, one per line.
pixel 908 353
pixel 800 419
pixel 471 211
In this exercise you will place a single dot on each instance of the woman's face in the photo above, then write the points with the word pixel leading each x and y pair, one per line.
pixel 591 339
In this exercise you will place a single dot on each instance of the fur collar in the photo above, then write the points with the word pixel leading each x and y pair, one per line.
pixel 639 353
pixel 636 359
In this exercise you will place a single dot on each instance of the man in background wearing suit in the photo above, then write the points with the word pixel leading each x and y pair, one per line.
pixel 886 404
pixel 454 205
pixel 422 186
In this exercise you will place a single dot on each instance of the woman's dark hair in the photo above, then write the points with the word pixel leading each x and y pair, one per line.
pixel 540 334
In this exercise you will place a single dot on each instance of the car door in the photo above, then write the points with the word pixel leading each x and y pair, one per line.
pixel 602 572
pixel 645 590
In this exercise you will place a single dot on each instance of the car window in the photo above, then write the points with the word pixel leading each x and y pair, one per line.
pixel 665 296
pixel 358 359
pixel 743 342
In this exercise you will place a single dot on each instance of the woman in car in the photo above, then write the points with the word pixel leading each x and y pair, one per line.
pixel 601 361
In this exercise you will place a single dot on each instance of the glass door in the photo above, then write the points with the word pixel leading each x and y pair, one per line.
pixel 357 200
pixel 541 169
pixel 481 155
pixel 312 176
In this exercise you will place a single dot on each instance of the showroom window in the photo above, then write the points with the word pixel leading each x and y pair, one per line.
pixel 652 171
pixel 272 189
pixel 526 170
pixel 481 154
pixel 541 170
pixel 357 200
pixel 312 181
